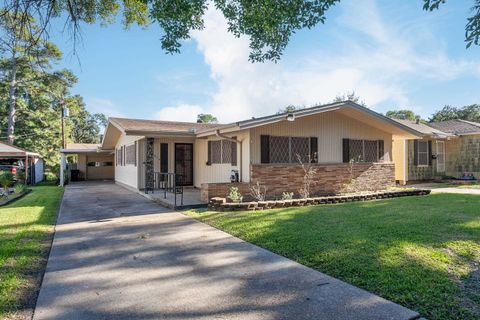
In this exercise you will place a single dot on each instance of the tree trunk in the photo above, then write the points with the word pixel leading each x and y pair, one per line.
pixel 12 101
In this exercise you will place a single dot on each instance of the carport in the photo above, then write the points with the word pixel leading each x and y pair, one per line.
pixel 32 162
pixel 86 161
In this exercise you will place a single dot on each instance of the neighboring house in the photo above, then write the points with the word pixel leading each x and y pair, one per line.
pixel 263 150
pixel 446 149
pixel 21 159
pixel 89 162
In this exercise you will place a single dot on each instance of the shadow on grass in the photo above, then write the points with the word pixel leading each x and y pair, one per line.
pixel 416 251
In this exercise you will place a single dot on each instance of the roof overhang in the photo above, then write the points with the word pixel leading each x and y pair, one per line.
pixel 347 108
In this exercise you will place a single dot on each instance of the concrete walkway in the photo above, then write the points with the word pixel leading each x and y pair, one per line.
pixel 117 255
pixel 446 188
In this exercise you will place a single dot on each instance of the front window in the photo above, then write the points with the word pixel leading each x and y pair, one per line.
pixel 423 153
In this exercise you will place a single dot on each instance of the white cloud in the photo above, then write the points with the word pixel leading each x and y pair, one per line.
pixel 375 58
pixel 105 106
pixel 182 112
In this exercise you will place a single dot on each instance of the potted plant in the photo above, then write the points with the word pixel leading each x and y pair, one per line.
pixel 234 195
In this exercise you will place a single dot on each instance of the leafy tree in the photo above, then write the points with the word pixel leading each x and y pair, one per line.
pixel 351 96
pixel 290 108
pixel 403 114
pixel 39 94
pixel 206 118
pixel 268 24
pixel 85 127
pixel 470 113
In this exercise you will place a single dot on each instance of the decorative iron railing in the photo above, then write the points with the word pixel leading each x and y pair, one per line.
pixel 169 182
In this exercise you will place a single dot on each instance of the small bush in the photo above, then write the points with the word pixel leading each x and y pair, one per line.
pixel 258 192
pixel 20 188
pixel 6 179
pixel 287 196
pixel 234 195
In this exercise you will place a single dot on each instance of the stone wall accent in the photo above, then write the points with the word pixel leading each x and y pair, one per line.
pixel 330 178
pixel 463 155
pixel 211 190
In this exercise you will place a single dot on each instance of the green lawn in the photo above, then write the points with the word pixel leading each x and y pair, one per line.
pixel 421 252
pixel 26 227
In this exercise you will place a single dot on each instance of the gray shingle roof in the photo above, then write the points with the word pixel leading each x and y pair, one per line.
pixel 422 128
pixel 457 126
pixel 161 126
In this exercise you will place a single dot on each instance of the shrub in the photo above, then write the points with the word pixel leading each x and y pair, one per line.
pixel 6 179
pixel 309 173
pixel 258 192
pixel 20 188
pixel 234 194
pixel 287 196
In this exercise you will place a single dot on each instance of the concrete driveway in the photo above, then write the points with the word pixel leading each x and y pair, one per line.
pixel 116 255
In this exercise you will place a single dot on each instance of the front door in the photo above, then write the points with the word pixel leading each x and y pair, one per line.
pixel 440 156
pixel 184 163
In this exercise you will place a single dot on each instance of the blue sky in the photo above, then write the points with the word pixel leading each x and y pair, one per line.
pixel 391 53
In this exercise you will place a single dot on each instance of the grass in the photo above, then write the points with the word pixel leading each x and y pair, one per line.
pixel 26 228
pixel 421 252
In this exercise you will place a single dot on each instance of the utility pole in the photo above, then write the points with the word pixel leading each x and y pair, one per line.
pixel 62 106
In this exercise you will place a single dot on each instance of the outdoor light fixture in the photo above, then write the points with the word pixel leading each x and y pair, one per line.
pixel 290 117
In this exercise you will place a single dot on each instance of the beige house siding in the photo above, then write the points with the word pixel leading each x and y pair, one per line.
pixel 421 172
pixel 102 172
pixel 399 156
pixel 330 128
pixel 219 173
pixel 463 155
pixel 127 174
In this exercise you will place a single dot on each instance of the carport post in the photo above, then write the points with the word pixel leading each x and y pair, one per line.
pixel 62 169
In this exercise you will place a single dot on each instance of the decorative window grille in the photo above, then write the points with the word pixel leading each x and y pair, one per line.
pixel 279 149
pixel 119 156
pixel 300 147
pixel 130 154
pixel 423 153
pixel 370 150
pixel 363 150
pixel 287 149
pixel 356 150
pixel 222 151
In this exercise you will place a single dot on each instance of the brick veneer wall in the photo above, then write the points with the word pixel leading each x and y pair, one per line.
pixel 330 179
pixel 210 190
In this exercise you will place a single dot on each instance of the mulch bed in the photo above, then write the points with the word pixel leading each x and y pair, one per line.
pixel 220 204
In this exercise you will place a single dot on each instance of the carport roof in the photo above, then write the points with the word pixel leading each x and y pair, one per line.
pixel 9 150
pixel 82 148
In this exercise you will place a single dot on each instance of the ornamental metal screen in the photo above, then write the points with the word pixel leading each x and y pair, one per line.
pixel 226 151
pixel 371 150
pixel 356 150
pixel 300 147
pixel 216 151
pixel 130 154
pixel 279 149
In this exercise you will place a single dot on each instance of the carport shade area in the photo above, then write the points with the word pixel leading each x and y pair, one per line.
pixel 86 161
pixel 116 255
pixel 31 162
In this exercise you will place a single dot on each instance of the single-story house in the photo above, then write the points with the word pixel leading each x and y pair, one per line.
pixel 446 149
pixel 87 161
pixel 32 162
pixel 345 143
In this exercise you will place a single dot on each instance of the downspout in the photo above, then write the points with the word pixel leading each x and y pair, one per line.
pixel 218 134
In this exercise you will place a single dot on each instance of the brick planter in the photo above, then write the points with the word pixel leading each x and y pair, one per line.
pixel 220 204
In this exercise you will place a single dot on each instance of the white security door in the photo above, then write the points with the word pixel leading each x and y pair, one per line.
pixel 440 156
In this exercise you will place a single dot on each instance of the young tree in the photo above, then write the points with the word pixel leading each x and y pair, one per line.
pixel 403 114
pixel 206 118
pixel 290 108
pixel 351 96
pixel 470 113
pixel 268 24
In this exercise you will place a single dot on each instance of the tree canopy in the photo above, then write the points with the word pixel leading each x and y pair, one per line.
pixel 33 93
pixel 403 114
pixel 268 24
pixel 206 118
pixel 470 113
